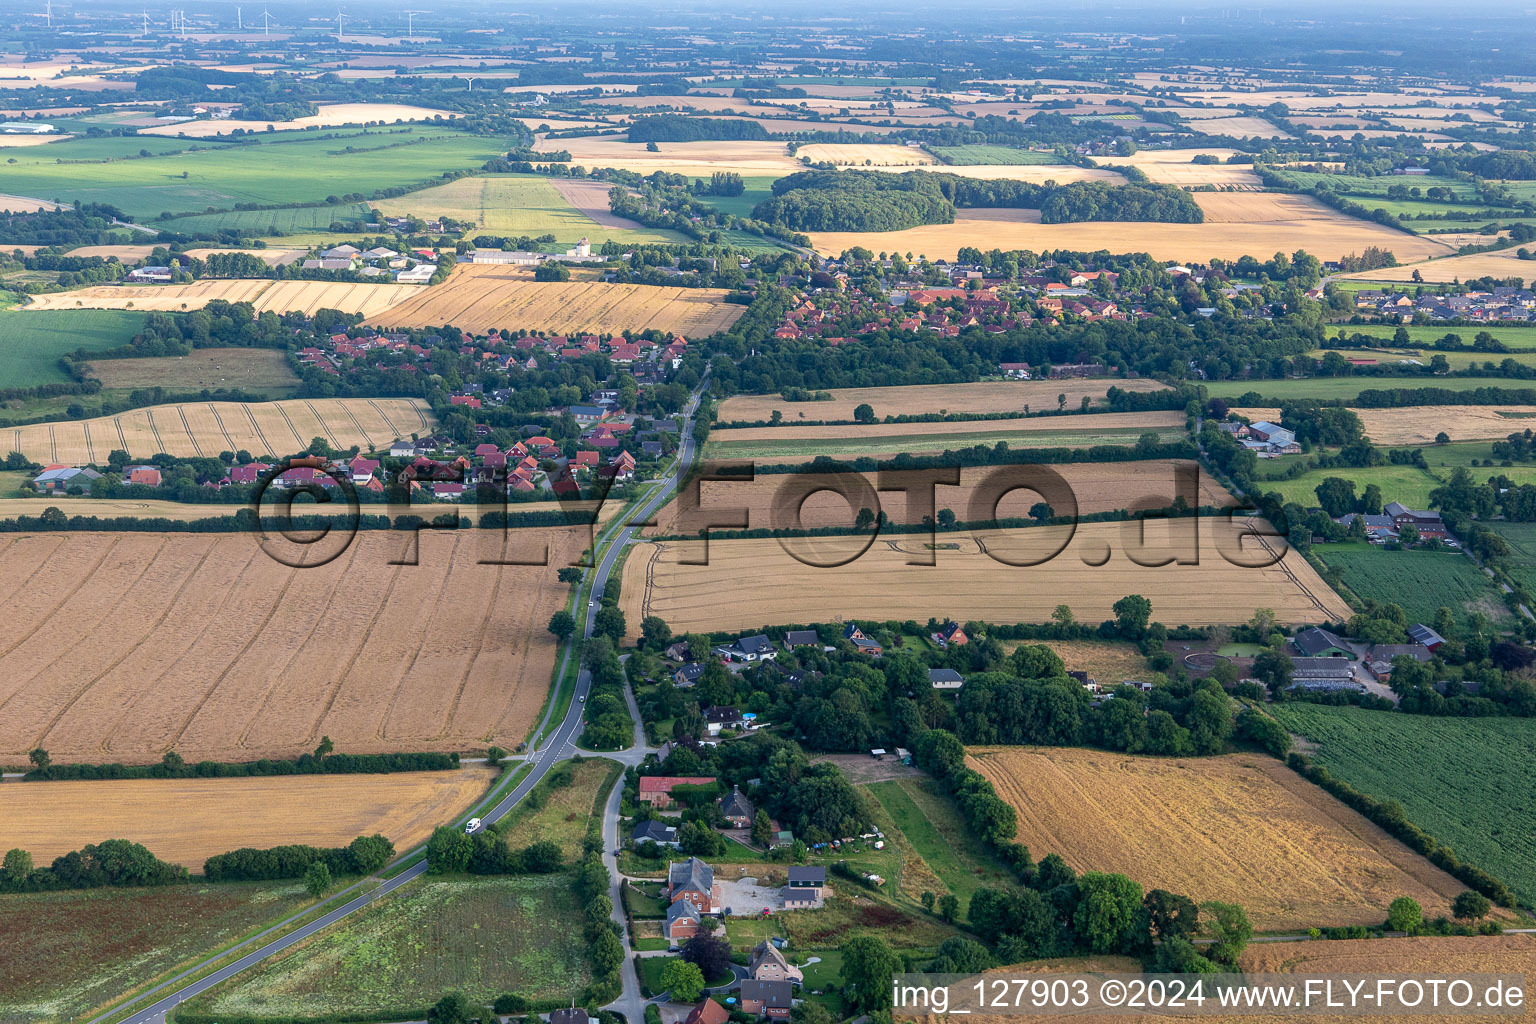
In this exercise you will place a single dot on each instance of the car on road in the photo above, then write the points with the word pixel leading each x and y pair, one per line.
pixel 472 827
pixel 582 698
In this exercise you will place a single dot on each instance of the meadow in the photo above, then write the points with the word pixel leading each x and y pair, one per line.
pixel 1521 562
pixel 1407 484
pixel 1418 581
pixel 1345 388
pixel 930 824
pixel 292 220
pixel 983 154
pixel 562 806
pixel 280 171
pixel 1247 829
pixel 205 644
pixel 1515 337
pixel 249 369
pixel 1465 781
pixel 393 960
pixel 70 952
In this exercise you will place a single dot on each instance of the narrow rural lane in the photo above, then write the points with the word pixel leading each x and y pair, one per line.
pixel 562 745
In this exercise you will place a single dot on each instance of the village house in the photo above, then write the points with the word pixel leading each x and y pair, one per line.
pixel 770 999
pixel 945 679
pixel 707 1012
pixel 1320 643
pixel 719 718
pixel 768 963
pixel 737 809
pixel 682 921
pixel 1428 524
pixel 806 889
pixel 748 648
pixel 570 1015
pixel 801 638
pixel 854 635
pixel 656 790
pixel 654 831
pixel 694 881
pixel 950 634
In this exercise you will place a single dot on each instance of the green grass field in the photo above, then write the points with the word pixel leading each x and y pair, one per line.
pixel 1275 391
pixel 810 448
pixel 938 835
pixel 759 187
pixel 994 155
pixel 278 171
pixel 1365 188
pixel 1419 581
pixel 1424 334
pixel 561 806
pixel 482 936
pixel 1522 560
pixel 1407 484
pixel 1465 781
pixel 31 343
pixel 292 220
pixel 67 952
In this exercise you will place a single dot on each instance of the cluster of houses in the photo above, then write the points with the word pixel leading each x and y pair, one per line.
pixel 647 360
pixel 414 267
pixel 692 895
pixel 1265 439
pixel 581 252
pixel 1395 516
pixel 1323 661
pixel 1501 304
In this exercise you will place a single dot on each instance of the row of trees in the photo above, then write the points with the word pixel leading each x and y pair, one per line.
pixel 113 863
pixel 363 856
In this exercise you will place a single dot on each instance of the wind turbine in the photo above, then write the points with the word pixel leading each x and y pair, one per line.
pixel 266 16
pixel 410 23
pixel 471 85
pixel 49 9
pixel 338 26
pixel 239 20
pixel 146 23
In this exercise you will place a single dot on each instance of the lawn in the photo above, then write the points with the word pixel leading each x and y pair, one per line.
pixel 1419 581
pixel 936 832
pixel 1465 781
pixel 652 966
pixel 746 932
pixel 279 172
pixel 994 155
pixel 561 806
pixel 68 952
pixel 1269 392
pixel 33 342
pixel 1407 484
pixel 391 961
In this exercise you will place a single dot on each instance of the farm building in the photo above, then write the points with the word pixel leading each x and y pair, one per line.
pixel 656 790
pixel 1320 643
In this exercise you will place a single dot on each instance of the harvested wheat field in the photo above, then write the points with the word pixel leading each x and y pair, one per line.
pixel 263 295
pixel 924 399
pixel 1428 956
pixel 1457 268
pixel 1097 486
pixel 329 115
pixel 857 155
pixel 1246 829
pixel 751 583
pixel 477 298
pixel 1174 167
pixel 1418 426
pixel 1325 237
pixel 121 646
pixel 695 159
pixel 186 821
pixel 208 428
pixel 1066 422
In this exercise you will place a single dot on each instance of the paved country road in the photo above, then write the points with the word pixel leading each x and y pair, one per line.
pixel 560 746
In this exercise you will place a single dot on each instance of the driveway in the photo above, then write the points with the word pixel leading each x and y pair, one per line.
pixel 746 898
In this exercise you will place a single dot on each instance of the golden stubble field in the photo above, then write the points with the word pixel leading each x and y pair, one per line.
pixel 1098 487
pixel 1456 268
pixel 121 646
pixel 186 821
pixel 328 115
pixel 479 297
pixel 1418 426
pixel 263 295
pixel 752 583
pixel 922 399
pixel 1327 235
pixel 1074 423
pixel 1242 828
pixel 208 428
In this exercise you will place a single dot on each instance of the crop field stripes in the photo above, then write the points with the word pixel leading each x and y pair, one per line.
pixel 271 449
pixel 53 443
pixel 325 426
pixel 1290 574
pixel 362 644
pixel 367 438
pixel 155 429
pixel 303 445
pixel 90 449
pixel 42 621
pixel 182 412
pixel 469 663
pixel 118 423
pixel 405 672
pixel 214 409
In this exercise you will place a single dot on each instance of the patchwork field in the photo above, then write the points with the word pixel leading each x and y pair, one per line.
pixel 483 937
pixel 69 952
pixel 750 583
pixel 206 645
pixel 873 154
pixel 1503 263
pixel 515 205
pixel 329 115
pixel 922 399
pixel 208 428
pixel 1462 780
pixel 1098 487
pixel 1419 581
pixel 263 295
pixel 1174 167
pixel 695 159
pixel 1325 237
pixel 1080 430
pixel 1247 830
pixel 244 368
pixel 477 298
pixel 186 821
